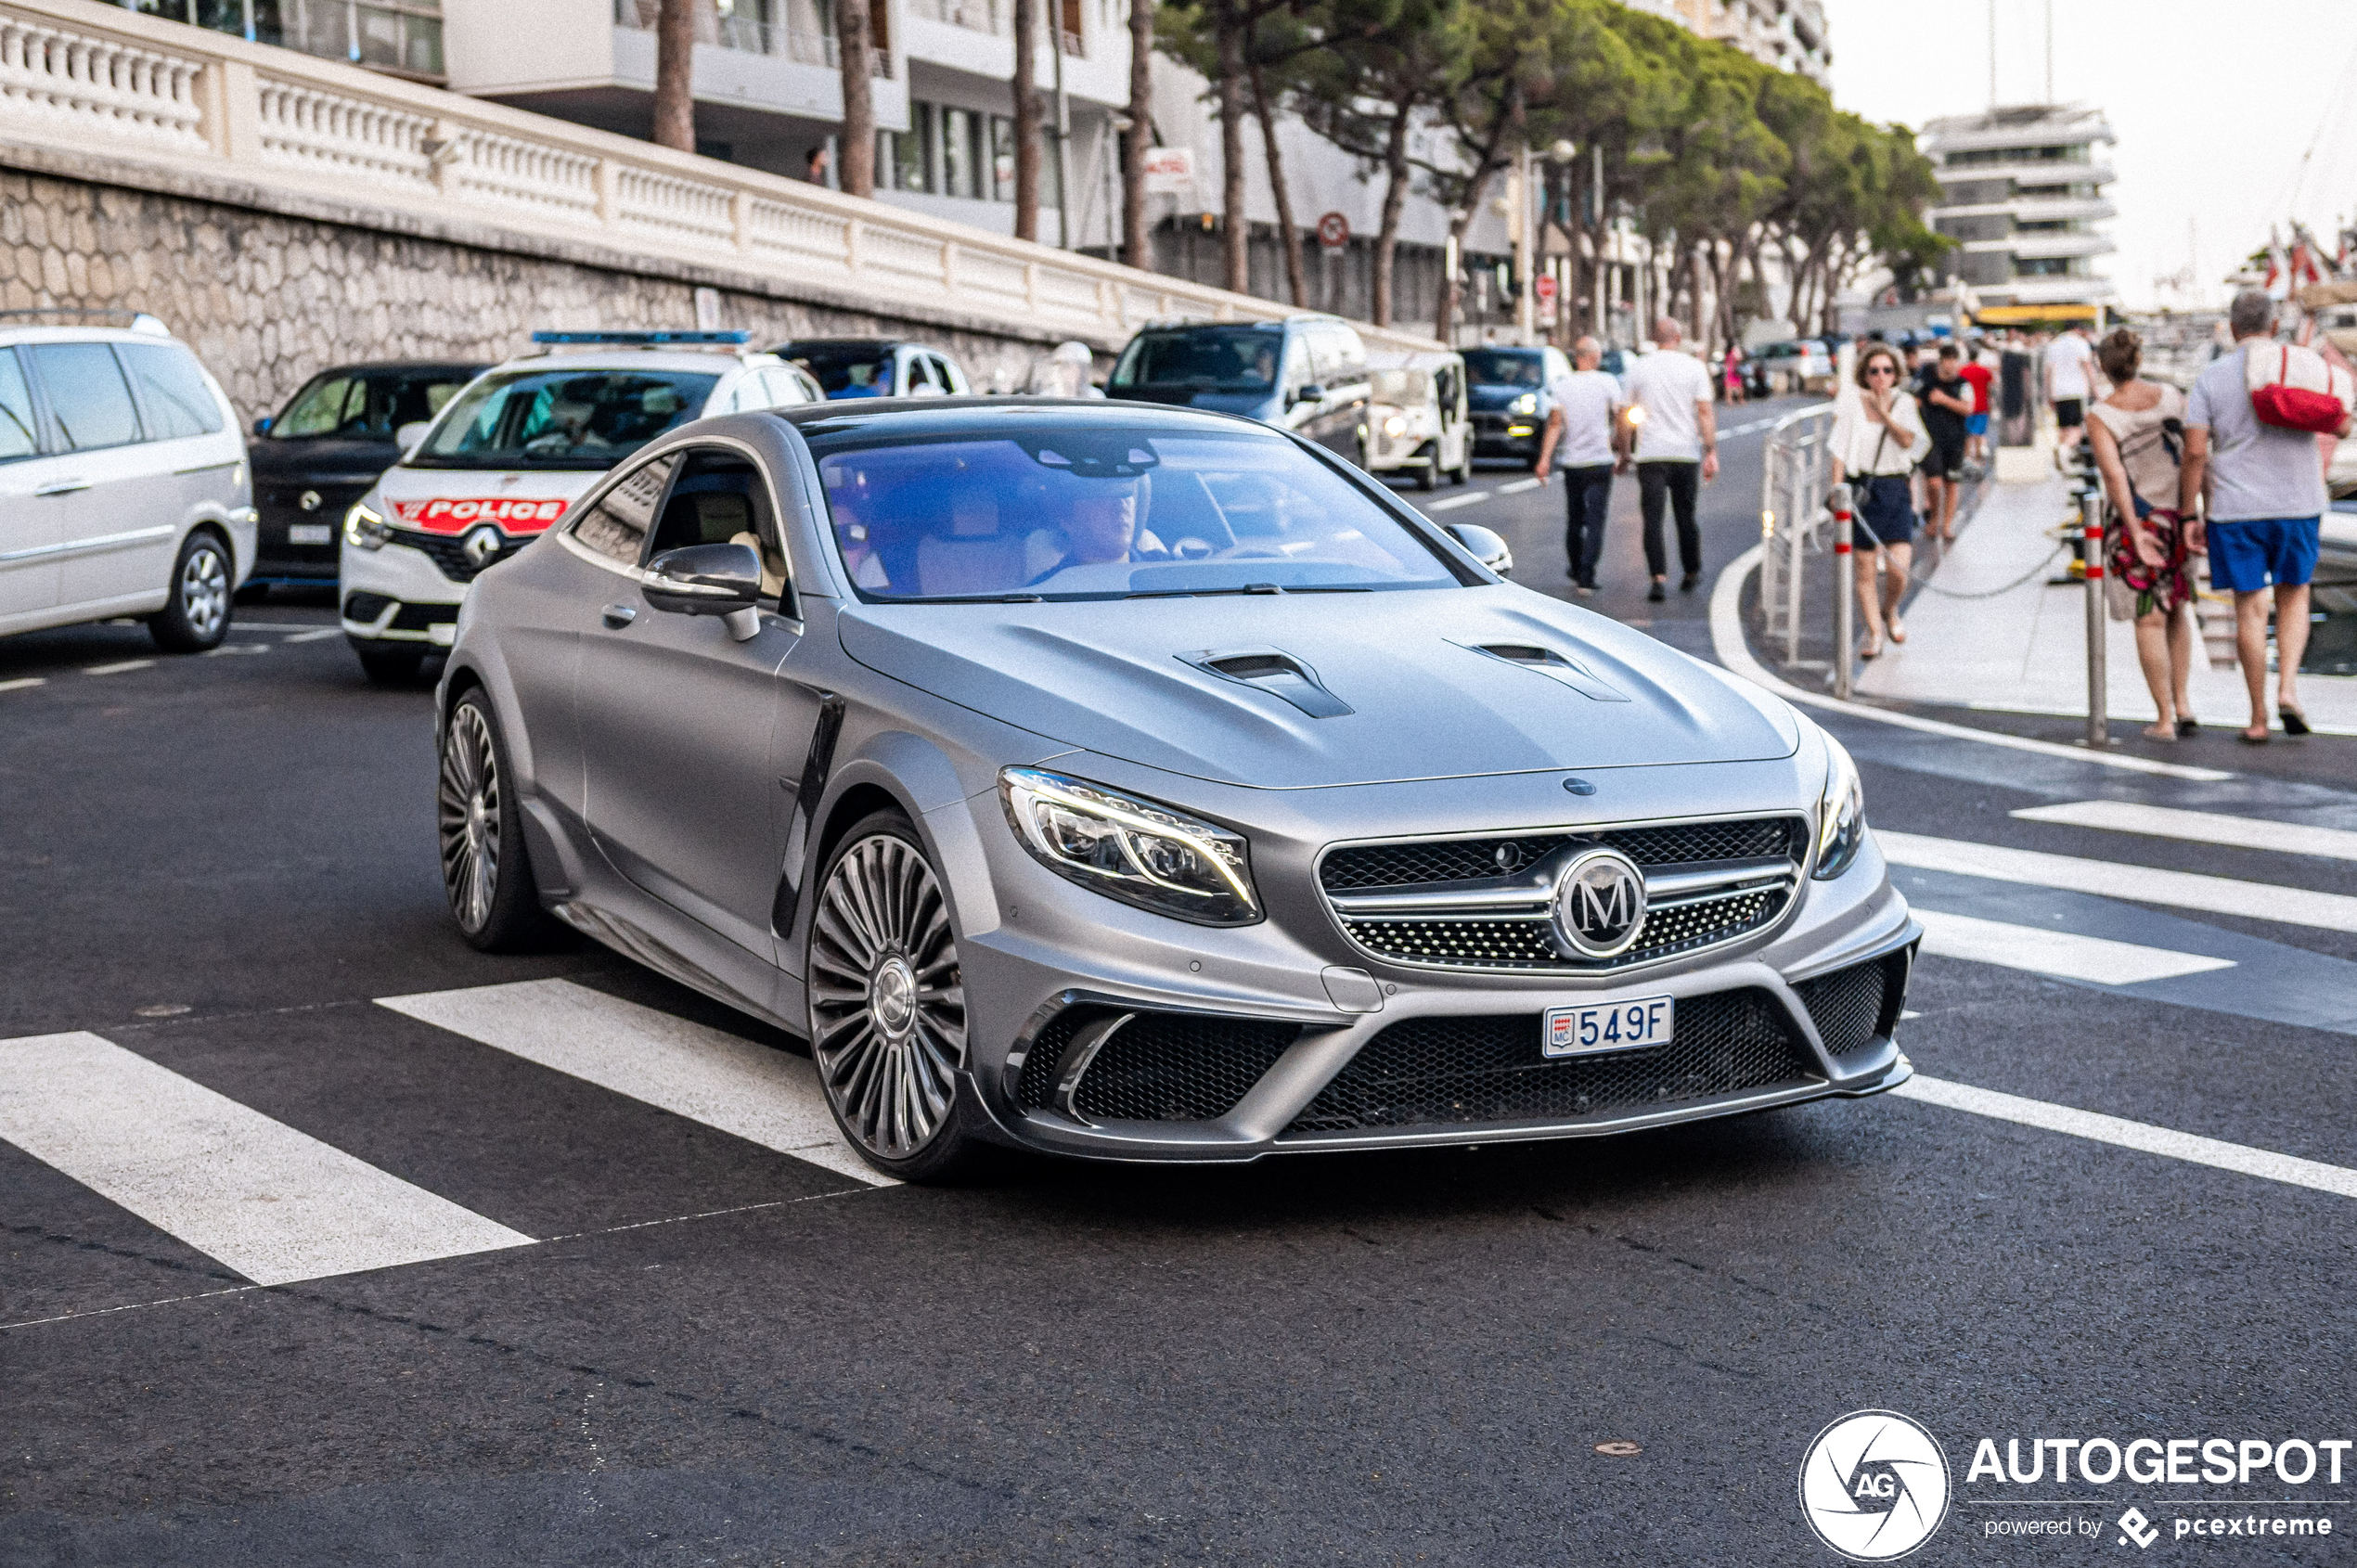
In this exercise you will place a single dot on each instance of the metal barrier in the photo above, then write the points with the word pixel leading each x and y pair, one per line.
pixel 1795 471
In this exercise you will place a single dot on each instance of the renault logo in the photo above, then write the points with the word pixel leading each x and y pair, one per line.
pixel 1600 905
pixel 482 544
pixel 309 501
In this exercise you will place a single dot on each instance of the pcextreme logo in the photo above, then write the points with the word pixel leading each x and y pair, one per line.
pixel 1874 1485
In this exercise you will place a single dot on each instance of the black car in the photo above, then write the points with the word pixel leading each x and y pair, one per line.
pixel 1507 390
pixel 326 446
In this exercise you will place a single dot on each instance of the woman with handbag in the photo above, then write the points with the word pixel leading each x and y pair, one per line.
pixel 1877 437
pixel 2139 438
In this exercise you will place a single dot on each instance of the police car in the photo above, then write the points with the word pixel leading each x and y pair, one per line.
pixel 505 457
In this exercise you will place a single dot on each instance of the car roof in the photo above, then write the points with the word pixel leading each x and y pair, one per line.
pixel 367 366
pixel 997 415
pixel 803 345
pixel 639 359
pixel 31 334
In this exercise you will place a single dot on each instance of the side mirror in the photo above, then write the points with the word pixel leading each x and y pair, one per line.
pixel 409 435
pixel 1484 547
pixel 261 426
pixel 723 580
pixel 1313 393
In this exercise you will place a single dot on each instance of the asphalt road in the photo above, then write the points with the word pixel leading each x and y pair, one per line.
pixel 710 1352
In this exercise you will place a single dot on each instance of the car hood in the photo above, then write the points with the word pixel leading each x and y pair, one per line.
pixel 1253 404
pixel 454 500
pixel 322 461
pixel 1490 399
pixel 1422 700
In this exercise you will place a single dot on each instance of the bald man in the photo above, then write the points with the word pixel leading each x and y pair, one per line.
pixel 1676 447
pixel 1583 422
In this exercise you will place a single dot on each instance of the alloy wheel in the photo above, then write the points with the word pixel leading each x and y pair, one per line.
pixel 468 811
pixel 887 1002
pixel 204 591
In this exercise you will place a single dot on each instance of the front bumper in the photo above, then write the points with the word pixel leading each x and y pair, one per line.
pixel 397 594
pixel 1507 435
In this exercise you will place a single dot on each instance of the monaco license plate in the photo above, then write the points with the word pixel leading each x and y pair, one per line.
pixel 308 532
pixel 1618 1025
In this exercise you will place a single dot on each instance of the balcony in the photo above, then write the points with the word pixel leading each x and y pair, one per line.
pixel 399 37
pixel 747 30
pixel 997 19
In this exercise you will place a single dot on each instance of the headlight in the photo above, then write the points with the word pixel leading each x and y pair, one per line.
pixel 1131 849
pixel 365 529
pixel 1526 403
pixel 1394 426
pixel 1841 814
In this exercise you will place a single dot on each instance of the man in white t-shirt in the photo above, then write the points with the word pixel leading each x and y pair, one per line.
pixel 1583 423
pixel 2068 362
pixel 1677 445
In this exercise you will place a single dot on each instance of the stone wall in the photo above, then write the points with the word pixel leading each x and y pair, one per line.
pixel 266 299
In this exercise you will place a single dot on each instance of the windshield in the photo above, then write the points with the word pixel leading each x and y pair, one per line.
pixel 562 418
pixel 1100 512
pixel 1240 359
pixel 847 369
pixel 366 405
pixel 1503 368
pixel 1403 387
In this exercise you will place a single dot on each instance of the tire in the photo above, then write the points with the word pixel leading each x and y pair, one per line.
pixel 1464 469
pixel 486 872
pixel 888 1003
pixel 196 612
pixel 1428 476
pixel 391 666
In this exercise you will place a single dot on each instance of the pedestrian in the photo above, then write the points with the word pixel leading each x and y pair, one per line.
pixel 2138 435
pixel 1979 371
pixel 1583 420
pixel 1733 374
pixel 1669 401
pixel 2068 386
pixel 1877 437
pixel 1945 399
pixel 815 162
pixel 2263 492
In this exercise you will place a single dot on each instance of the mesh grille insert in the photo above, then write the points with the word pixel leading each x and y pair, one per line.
pixel 1158 1067
pixel 448 552
pixel 1848 1006
pixel 1454 1071
pixel 1443 860
pixel 1528 945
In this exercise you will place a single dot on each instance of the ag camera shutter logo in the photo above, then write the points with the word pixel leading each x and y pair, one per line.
pixel 1874 1485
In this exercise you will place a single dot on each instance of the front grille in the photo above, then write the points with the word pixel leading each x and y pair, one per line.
pixel 1449 860
pixel 423 617
pixel 364 607
pixel 1852 1007
pixel 448 553
pixel 1158 1067
pixel 1456 1072
pixel 283 504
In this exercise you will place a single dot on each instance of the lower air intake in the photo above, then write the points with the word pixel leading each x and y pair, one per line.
pixel 1158 1067
pixel 1852 1007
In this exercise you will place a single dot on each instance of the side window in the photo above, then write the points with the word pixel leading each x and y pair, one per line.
pixel 88 395
pixel 1349 356
pixel 721 498
pixel 943 374
pixel 781 390
pixel 616 527
pixel 1298 372
pixel 16 435
pixel 920 381
pixel 172 390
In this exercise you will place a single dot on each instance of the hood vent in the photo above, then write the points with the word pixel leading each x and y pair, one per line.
pixel 1279 675
pixel 1554 666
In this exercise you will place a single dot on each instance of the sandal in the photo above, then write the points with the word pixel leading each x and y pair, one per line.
pixel 2188 728
pixel 2295 722
pixel 2248 738
pixel 2160 732
pixel 1872 650
pixel 1898 632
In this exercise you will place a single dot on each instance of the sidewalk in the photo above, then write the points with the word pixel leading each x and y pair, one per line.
pixel 2025 650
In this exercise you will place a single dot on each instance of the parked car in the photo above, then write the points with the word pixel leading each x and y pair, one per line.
pixel 849 367
pixel 326 447
pixel 505 459
pixel 1155 786
pixel 1507 389
pixel 1799 364
pixel 1307 374
pixel 1417 420
pixel 124 488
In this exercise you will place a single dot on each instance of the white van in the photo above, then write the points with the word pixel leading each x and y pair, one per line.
pixel 124 488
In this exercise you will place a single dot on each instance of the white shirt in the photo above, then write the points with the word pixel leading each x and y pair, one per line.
pixel 1586 399
pixel 1859 443
pixel 1667 384
pixel 2068 357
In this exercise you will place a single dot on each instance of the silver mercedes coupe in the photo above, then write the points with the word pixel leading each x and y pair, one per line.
pixel 1141 783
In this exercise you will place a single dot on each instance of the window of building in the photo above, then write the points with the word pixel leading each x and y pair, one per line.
pixel 402 36
pixel 2047 266
pixel 1002 159
pixel 961 154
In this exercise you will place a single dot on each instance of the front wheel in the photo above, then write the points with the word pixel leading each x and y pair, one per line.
pixel 1465 467
pixel 888 1003
pixel 1428 476
pixel 195 616
pixel 486 872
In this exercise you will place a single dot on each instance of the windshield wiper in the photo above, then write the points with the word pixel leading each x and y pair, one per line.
pixel 1205 593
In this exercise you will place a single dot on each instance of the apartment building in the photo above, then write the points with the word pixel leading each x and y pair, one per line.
pixel 1787 34
pixel 2022 192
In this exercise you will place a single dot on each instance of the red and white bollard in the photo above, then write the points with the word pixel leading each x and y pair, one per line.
pixel 2090 517
pixel 1845 591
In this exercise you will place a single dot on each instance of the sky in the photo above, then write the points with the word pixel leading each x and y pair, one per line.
pixel 2214 103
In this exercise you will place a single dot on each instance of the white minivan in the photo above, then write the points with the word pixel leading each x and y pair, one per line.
pixel 124 488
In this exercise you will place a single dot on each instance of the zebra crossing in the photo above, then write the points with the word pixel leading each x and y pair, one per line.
pixel 279 1203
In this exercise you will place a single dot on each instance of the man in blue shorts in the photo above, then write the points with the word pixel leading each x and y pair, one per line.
pixel 2265 489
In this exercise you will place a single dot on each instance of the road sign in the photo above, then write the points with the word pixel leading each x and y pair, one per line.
pixel 1170 171
pixel 1545 288
pixel 1334 231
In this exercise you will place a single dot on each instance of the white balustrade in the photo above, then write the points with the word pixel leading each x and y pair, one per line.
pixel 525 176
pixel 345 136
pixel 98 88
pixel 688 210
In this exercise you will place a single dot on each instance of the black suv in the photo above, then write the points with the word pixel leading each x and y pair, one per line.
pixel 1507 390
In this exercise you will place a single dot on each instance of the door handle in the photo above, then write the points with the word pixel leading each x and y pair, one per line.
pixel 620 615
pixel 62 487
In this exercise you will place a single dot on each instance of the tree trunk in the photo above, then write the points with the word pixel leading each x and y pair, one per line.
pixel 1235 225
pixel 1135 243
pixel 1288 232
pixel 1026 119
pixel 856 58
pixel 675 74
pixel 1445 318
pixel 1394 201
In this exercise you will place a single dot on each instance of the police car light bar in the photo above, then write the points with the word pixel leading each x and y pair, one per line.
pixel 643 339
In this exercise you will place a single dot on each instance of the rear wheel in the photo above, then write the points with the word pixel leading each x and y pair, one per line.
pixel 195 616
pixel 888 1003
pixel 486 872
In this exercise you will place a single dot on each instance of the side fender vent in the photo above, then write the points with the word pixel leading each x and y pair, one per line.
pixel 1278 673
pixel 1554 666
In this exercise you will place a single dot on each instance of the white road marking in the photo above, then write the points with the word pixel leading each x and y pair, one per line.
pixel 315 635
pixel 244 625
pixel 2141 884
pixel 1727 642
pixel 274 1203
pixel 23 682
pixel 2065 954
pixel 763 1095
pixel 117 669
pixel 231 648
pixel 1518 486
pixel 2200 827
pixel 2142 1136
pixel 1454 501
